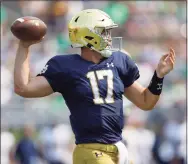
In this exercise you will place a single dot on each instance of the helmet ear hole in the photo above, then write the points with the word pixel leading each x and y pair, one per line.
pixel 89 37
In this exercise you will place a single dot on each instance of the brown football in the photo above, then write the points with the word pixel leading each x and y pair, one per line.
pixel 29 28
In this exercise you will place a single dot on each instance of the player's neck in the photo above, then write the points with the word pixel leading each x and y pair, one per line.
pixel 90 55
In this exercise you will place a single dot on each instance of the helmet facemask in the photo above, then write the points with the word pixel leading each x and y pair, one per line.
pixel 106 40
pixel 107 45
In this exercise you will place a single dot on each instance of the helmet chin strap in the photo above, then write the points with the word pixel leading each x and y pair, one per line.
pixel 105 53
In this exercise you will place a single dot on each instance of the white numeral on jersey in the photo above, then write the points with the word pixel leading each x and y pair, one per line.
pixel 44 69
pixel 94 85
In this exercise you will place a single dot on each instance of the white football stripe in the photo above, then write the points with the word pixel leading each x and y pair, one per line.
pixel 20 20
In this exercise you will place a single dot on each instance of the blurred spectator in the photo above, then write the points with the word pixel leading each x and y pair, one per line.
pixel 139 139
pixel 50 147
pixel 26 151
pixel 166 147
pixel 29 8
pixel 63 137
pixel 60 8
pixel 183 140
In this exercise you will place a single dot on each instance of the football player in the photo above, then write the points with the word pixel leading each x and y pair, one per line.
pixel 92 85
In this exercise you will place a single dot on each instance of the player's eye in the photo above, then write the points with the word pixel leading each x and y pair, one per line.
pixel 106 33
pixel 103 32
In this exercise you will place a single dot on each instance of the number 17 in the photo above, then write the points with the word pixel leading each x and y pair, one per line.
pixel 95 88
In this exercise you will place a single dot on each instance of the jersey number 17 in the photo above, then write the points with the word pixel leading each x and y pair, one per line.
pixel 99 75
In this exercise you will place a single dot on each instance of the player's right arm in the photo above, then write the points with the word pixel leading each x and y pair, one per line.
pixel 23 86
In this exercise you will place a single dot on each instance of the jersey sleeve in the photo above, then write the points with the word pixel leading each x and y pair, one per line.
pixel 53 73
pixel 129 72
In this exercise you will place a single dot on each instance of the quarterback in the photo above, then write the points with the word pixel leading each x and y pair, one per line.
pixel 92 84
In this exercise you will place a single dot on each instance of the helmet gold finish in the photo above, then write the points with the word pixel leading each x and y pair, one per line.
pixel 92 28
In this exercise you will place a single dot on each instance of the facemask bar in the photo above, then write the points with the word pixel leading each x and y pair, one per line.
pixel 116 43
pixel 113 43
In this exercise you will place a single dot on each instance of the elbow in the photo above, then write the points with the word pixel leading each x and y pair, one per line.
pixel 21 91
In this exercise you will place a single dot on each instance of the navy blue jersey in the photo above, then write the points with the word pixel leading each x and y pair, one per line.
pixel 93 93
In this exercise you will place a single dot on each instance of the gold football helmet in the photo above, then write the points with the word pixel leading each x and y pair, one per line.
pixel 92 28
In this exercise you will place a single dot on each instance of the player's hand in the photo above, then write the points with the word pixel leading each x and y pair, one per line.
pixel 166 64
pixel 27 44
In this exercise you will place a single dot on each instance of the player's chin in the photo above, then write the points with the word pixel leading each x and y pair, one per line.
pixel 109 44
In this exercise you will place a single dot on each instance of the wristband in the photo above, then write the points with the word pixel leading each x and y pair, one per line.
pixel 156 85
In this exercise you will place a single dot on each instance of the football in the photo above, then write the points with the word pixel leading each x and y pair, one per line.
pixel 29 28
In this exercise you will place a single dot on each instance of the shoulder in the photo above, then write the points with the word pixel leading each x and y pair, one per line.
pixel 64 58
pixel 63 61
pixel 121 56
pixel 59 64
pixel 122 59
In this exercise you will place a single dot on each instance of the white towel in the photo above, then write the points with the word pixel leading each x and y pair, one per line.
pixel 123 153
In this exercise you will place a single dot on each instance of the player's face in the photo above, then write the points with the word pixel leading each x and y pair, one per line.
pixel 106 34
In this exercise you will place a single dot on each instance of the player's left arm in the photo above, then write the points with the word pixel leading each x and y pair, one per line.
pixel 146 98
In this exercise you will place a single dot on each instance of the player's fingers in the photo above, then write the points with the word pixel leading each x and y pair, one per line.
pixel 40 39
pixel 164 57
pixel 167 60
pixel 171 61
pixel 173 57
pixel 172 52
pixel 37 41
